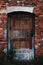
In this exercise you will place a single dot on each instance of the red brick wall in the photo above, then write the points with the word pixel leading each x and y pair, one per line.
pixel 38 10
pixel 2 18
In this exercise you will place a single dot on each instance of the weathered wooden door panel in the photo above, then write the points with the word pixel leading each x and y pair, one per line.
pixel 21 27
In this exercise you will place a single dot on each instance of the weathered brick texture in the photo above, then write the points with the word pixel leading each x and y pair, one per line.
pixel 3 17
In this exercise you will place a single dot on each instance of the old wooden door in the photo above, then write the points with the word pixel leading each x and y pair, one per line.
pixel 21 29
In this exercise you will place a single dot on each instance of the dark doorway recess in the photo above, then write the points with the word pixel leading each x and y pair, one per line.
pixel 21 34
